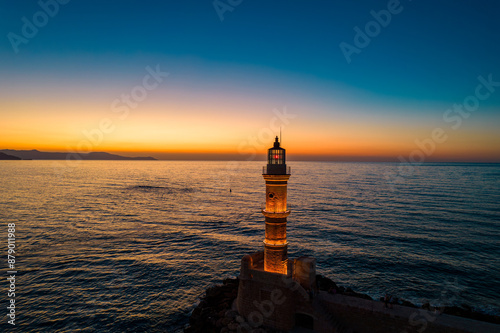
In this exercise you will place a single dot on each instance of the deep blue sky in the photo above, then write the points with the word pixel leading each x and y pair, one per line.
pixel 441 43
pixel 430 54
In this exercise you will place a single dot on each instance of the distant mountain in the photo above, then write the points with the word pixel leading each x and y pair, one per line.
pixel 40 155
pixel 4 156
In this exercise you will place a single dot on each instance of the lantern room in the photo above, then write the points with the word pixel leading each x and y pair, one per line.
pixel 276 159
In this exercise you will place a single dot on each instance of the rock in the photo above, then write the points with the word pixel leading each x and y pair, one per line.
pixel 330 286
pixel 231 314
pixel 230 281
pixel 240 319
pixel 359 295
pixel 195 315
pixel 259 330
pixel 325 283
pixel 212 292
pixel 408 304
pixel 214 311
pixel 466 307
pixel 232 326
pixel 467 312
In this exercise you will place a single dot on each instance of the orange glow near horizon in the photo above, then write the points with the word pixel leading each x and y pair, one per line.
pixel 161 127
pixel 462 148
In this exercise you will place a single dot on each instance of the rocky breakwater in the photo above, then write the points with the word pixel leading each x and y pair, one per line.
pixel 215 312
pixel 463 310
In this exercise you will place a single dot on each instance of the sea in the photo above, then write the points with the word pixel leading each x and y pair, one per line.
pixel 131 246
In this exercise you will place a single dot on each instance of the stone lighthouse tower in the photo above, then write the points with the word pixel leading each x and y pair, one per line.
pixel 273 289
pixel 276 176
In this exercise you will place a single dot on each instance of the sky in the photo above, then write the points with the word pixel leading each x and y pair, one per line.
pixel 417 81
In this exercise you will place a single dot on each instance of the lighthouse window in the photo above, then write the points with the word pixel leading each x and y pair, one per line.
pixel 276 156
pixel 271 195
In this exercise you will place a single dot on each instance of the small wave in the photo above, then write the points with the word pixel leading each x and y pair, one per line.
pixel 147 187
pixel 163 189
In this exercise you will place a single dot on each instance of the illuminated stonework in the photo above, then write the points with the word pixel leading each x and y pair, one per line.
pixel 276 176
pixel 275 290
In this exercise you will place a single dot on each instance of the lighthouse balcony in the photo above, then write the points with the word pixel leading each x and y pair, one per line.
pixel 275 214
pixel 276 169
pixel 278 242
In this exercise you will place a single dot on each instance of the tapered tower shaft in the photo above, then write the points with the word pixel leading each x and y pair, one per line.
pixel 276 176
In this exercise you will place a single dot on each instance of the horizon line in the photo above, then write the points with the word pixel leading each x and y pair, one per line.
pixel 235 156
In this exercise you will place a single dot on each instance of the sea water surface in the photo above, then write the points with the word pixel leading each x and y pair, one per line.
pixel 119 246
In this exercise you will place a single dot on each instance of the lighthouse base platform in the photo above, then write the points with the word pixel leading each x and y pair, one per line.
pixel 281 301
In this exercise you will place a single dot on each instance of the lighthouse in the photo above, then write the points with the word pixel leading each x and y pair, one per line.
pixel 276 175
pixel 273 289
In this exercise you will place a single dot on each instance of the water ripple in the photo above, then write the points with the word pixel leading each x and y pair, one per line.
pixel 130 246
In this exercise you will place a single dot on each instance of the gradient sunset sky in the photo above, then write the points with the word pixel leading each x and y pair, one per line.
pixel 234 66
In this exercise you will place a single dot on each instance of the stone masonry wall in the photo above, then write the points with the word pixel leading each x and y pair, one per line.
pixel 365 316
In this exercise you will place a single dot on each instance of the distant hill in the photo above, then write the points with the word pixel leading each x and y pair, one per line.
pixel 4 156
pixel 40 155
